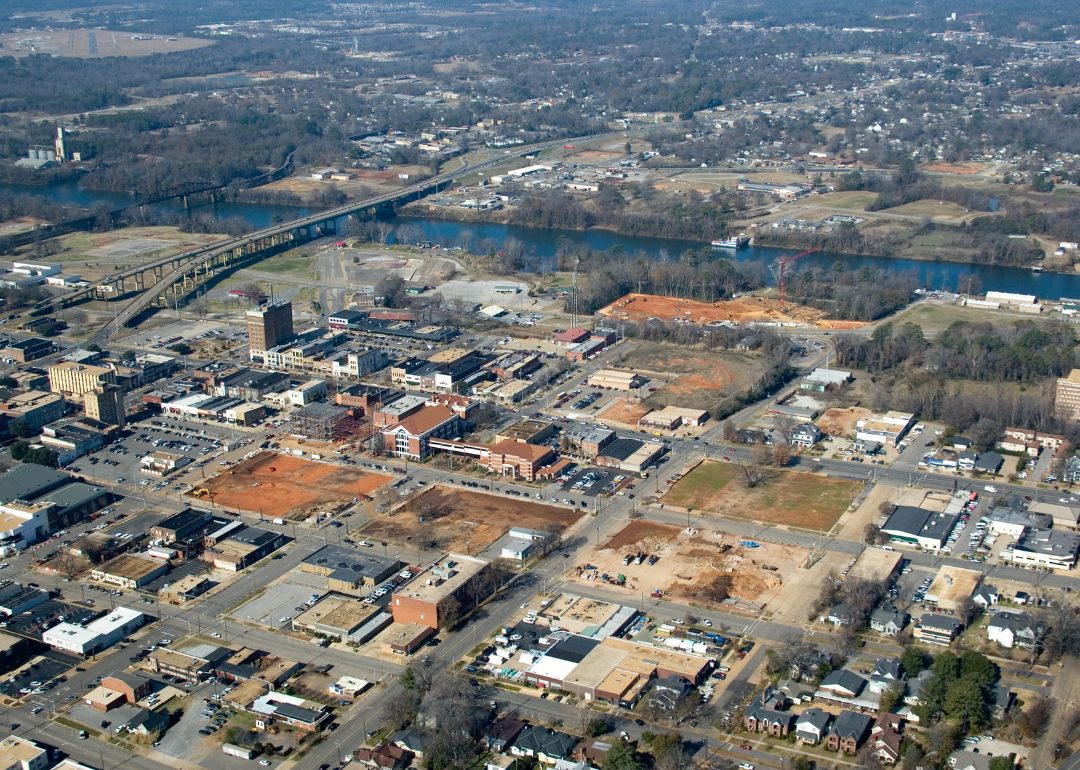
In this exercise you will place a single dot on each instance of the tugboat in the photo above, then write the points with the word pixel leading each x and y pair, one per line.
pixel 734 242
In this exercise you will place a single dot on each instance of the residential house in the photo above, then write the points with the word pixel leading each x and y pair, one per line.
pixel 848 732
pixel 502 733
pixel 765 714
pixel 985 595
pixel 937 629
pixel 888 620
pixel 812 725
pixel 846 684
pixel 806 435
pixel 546 745
pixel 410 740
pixel 885 738
pixel 844 614
pixel 385 756
pixel 1015 629
pixel 887 673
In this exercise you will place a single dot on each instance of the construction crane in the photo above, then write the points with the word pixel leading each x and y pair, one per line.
pixel 779 268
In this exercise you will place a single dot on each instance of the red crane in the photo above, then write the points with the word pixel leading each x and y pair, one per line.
pixel 780 271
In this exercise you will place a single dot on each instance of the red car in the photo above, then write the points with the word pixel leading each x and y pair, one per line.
pixel 742 655
pixel 745 748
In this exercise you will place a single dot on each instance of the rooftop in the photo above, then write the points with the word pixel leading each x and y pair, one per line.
pixel 131 567
pixel 432 588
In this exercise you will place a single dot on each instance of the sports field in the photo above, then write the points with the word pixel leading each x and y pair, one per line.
pixel 798 500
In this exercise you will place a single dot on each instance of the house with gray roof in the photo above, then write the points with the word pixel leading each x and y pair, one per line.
pixel 1015 629
pixel 985 595
pixel 887 672
pixel 844 683
pixel 848 732
pixel 811 725
pixel 888 620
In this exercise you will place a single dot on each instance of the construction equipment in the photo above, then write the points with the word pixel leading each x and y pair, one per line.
pixel 200 492
pixel 779 268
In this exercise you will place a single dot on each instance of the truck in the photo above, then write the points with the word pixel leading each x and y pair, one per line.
pixel 990 489
pixel 237 751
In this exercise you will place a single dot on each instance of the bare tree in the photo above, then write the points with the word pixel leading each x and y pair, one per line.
pixel 384 229
pixel 781 455
pixel 757 469
pixel 785 426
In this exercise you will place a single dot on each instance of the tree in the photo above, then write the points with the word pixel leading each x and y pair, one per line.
pixel 871 533
pixel 127 355
pixel 965 702
pixel 976 667
pixel 781 455
pixel 890 698
pixel 182 348
pixel 756 470
pixel 912 660
pixel 1002 762
pixel 596 727
pixel 408 678
pixel 18 428
pixel 19 450
pixel 8 382
pixel 449 614
pixel 621 756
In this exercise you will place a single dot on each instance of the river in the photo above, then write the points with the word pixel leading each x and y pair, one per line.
pixel 543 243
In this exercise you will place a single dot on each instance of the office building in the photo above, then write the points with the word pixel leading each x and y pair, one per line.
pixel 21 754
pixel 269 326
pixel 74 379
pixel 105 403
pixel 456 580
pixel 99 635
pixel 1067 396
pixel 36 408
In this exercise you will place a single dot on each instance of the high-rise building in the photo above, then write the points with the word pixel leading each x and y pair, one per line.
pixel 73 379
pixel 1067 396
pixel 106 404
pixel 269 326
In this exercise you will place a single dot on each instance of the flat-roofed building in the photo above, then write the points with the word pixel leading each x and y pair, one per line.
pixel 242 548
pixel 21 754
pixel 876 565
pixel 269 326
pixel 951 585
pixel 919 526
pixel 162 463
pixel 72 379
pixel 671 417
pixel 185 589
pixel 105 403
pixel 26 350
pixel 616 379
pixel 1045 548
pixel 36 408
pixel 393 410
pixel 629 454
pixel 347 569
pixel 1067 396
pixel 71 440
pixel 512 391
pixel 130 571
pixel 335 616
pixel 570 337
pixel 97 636
pixel 181 525
pixel 245 414
pixel 528 431
pixel 455 579
pixel 886 429
pixel 403 638
pixel 189 668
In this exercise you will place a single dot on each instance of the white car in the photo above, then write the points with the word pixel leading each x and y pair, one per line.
pixel 264 762
pixel 745 766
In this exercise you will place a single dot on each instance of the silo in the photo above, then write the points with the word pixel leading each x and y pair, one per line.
pixel 50 154
pixel 33 154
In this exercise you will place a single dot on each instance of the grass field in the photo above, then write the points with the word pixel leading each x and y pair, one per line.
pixel 934 209
pixel 857 201
pixel 934 318
pixel 797 500
pixel 289 262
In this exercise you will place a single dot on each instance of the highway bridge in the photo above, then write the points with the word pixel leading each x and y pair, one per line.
pixel 174 276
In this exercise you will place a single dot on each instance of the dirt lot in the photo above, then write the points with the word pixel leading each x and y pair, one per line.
pixel 289 487
pixel 841 422
pixel 694 381
pixel 479 518
pixel 692 564
pixel 622 412
pixel 641 307
pixel 797 500
pixel 958 168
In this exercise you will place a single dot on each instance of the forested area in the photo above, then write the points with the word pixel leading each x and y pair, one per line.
pixel 936 379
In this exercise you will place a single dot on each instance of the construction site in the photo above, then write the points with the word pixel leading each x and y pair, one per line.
pixel 744 310
pixel 694 565
pixel 328 424
pixel 289 488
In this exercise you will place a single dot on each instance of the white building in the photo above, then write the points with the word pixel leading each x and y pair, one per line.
pixel 886 429
pixel 308 393
pixel 99 635
pixel 1045 548
pixel 21 754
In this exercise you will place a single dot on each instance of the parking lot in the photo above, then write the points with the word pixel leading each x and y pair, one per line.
pixel 594 481
pixel 190 567
pixel 36 675
pixel 31 623
pixel 279 602
pixel 163 337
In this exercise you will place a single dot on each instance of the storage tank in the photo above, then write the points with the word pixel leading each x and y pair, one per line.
pixel 34 154
pixel 50 154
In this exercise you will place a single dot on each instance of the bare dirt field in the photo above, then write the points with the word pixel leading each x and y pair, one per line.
pixel 933 209
pixel 641 307
pixel 623 412
pixel 958 168
pixel 841 422
pixel 591 156
pixel 92 43
pixel 289 487
pixel 478 518
pixel 692 378
pixel 798 500
pixel 700 566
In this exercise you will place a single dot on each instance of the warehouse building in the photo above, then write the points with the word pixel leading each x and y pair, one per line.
pixel 348 569
pixel 129 571
pixel 181 525
pixel 241 548
pixel 919 526
pixel 616 379
pixel 97 636
pixel 671 417
pixel 629 454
